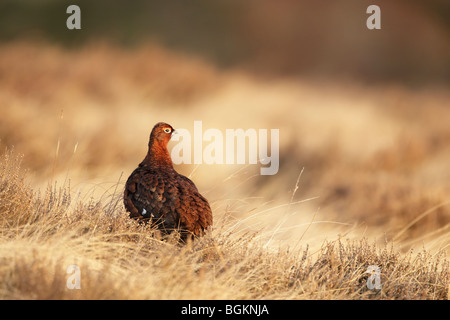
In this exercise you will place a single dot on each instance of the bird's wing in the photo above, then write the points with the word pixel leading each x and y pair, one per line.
pixel 150 194
pixel 169 198
pixel 128 197
pixel 195 212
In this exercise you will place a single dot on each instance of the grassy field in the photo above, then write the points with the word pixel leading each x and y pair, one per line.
pixel 363 180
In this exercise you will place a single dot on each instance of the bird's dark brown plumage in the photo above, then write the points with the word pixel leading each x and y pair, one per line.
pixel 155 192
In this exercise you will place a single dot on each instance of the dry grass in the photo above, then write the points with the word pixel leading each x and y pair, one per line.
pixel 119 259
pixel 375 168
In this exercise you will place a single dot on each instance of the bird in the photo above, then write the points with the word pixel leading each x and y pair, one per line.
pixel 157 194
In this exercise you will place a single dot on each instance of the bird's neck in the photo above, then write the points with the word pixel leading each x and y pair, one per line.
pixel 158 156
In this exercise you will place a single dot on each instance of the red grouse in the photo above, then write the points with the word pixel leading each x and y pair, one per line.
pixel 156 193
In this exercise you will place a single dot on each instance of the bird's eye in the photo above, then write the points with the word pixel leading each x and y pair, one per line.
pixel 167 130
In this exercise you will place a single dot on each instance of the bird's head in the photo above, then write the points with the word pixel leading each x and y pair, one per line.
pixel 158 155
pixel 161 133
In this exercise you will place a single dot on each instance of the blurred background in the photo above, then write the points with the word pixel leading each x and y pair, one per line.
pixel 286 37
pixel 365 112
